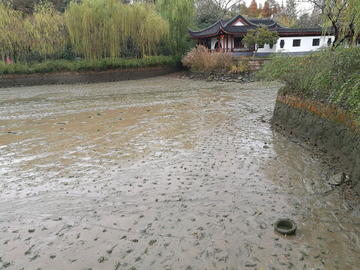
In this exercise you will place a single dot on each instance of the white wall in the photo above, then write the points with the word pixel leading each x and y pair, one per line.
pixel 267 49
pixel 213 42
pixel 305 44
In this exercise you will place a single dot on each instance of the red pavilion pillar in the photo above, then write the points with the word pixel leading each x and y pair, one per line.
pixel 223 43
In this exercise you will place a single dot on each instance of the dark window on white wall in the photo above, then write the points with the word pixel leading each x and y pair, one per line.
pixel 271 46
pixel 329 42
pixel 316 42
pixel 296 42
pixel 282 44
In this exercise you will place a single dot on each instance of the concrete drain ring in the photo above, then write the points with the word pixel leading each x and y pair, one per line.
pixel 285 226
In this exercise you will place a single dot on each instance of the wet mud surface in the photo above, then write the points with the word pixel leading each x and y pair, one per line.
pixel 162 173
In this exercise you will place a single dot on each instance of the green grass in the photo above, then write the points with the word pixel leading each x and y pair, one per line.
pixel 329 76
pixel 61 65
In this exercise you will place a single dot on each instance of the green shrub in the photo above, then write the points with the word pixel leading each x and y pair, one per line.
pixel 241 68
pixel 330 76
pixel 61 65
pixel 2 67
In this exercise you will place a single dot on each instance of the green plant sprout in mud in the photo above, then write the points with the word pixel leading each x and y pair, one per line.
pixel 101 259
pixel 109 251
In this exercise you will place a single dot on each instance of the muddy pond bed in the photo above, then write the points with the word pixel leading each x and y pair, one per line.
pixel 163 173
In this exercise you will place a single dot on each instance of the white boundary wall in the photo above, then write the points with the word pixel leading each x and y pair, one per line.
pixel 306 44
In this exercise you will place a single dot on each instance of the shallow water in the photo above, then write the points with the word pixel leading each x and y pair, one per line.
pixel 162 173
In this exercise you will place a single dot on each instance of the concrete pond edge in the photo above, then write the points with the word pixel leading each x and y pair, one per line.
pixel 85 77
pixel 332 130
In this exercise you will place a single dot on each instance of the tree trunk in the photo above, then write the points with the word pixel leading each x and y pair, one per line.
pixel 255 51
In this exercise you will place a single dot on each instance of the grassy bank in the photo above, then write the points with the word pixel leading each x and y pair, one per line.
pixel 86 65
pixel 331 77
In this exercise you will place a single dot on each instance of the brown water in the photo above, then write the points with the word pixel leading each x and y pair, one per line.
pixel 162 173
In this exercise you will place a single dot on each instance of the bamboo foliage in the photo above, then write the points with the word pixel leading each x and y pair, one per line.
pixel 100 29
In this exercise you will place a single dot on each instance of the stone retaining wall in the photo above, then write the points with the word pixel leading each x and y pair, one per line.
pixel 224 76
pixel 85 77
pixel 326 127
pixel 255 64
pixel 220 76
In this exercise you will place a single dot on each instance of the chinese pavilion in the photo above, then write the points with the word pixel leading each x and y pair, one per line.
pixel 226 35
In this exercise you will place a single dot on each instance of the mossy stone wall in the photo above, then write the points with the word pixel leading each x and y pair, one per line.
pixel 326 127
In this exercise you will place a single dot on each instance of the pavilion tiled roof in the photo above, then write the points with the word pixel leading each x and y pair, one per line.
pixel 229 26
pixel 299 31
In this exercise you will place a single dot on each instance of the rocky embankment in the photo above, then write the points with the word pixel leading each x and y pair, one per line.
pixel 331 130
pixel 221 77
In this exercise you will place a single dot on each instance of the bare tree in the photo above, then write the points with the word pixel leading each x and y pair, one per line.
pixel 340 17
pixel 209 11
pixel 226 5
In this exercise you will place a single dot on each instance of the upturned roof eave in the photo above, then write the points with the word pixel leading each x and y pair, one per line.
pixel 207 28
pixel 204 36
pixel 217 33
pixel 220 29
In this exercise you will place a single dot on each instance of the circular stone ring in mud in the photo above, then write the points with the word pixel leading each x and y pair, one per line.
pixel 285 226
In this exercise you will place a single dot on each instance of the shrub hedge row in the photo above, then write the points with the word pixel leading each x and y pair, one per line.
pixel 330 76
pixel 86 65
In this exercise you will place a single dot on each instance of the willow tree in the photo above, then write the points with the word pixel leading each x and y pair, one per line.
pixel 150 28
pixel 85 25
pixel 349 20
pixel 142 29
pixel 180 14
pixel 341 16
pixel 47 30
pixel 100 29
pixel 14 42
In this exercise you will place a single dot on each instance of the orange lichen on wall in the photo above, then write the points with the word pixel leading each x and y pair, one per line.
pixel 326 111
